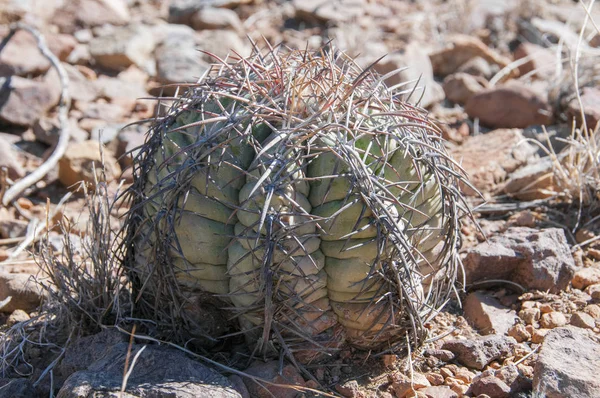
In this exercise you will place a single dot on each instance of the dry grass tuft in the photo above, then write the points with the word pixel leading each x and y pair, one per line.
pixel 85 286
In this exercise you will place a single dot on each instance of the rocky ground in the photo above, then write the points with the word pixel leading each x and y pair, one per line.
pixel 493 73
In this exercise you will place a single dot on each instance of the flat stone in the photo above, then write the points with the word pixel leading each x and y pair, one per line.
pixel 535 259
pixel 25 294
pixel 487 315
pixel 348 389
pixel 488 168
pixel 107 112
pixel 17 316
pixel 47 130
pixel 182 11
pixel 519 332
pixel 590 99
pixel 583 320
pixel 491 386
pixel 461 49
pixel 532 182
pixel 460 87
pixel 9 159
pixel 182 378
pixel 216 18
pixel 439 392
pixel 418 71
pixel 221 43
pixel 328 11
pixel 183 64
pixel 568 364
pixel 542 61
pixel 121 92
pixel 90 13
pixel 270 371
pixel 126 46
pixel 21 56
pixel 17 388
pixel 80 162
pixel 477 352
pixel 80 87
pixel 593 291
pixel 511 105
pixel 553 320
pixel 585 277
pixel 479 67
pixel 24 101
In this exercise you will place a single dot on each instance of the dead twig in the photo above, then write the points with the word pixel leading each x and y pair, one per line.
pixel 63 108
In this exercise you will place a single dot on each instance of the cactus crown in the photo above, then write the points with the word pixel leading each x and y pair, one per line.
pixel 293 197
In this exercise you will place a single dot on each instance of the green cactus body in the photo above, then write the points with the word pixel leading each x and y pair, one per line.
pixel 294 192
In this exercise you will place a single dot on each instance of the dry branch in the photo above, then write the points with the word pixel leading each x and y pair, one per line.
pixel 63 109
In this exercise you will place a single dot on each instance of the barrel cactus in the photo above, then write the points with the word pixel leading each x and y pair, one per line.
pixel 293 198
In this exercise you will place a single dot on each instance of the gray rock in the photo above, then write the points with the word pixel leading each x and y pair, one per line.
pixel 106 133
pixel 534 181
pixel 105 111
pixel 487 314
pixel 221 43
pixel 90 13
pixel 555 133
pixel 182 11
pixel 535 259
pixel 568 364
pixel 478 67
pixel 24 101
pixel 491 386
pixel 47 130
pixel 80 88
pixel 86 350
pixel 438 392
pixel 159 372
pixel 179 65
pixel 129 139
pixel 8 159
pixel 478 352
pixel 24 291
pixel 126 46
pixel 21 56
pixel 174 34
pixel 328 11
pixel 418 72
pixel 16 388
pixel 459 50
pixel 216 18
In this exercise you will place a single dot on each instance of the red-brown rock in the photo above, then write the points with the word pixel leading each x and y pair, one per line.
pixel 535 259
pixel 511 105
pixel 542 61
pixel 25 101
pixel 460 87
pixel 590 99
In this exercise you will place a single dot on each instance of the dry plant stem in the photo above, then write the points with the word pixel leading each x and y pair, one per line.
pixel 63 108
pixel 34 231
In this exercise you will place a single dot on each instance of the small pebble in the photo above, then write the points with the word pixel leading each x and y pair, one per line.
pixel 583 320
pixel 553 320
pixel 519 332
